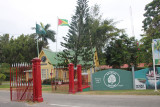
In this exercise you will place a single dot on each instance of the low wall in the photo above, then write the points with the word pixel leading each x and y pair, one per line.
pixel 112 79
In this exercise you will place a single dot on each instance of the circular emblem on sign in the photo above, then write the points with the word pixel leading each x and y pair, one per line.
pixel 111 79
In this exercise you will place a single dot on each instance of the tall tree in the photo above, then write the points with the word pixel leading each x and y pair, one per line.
pixel 21 49
pixel 151 27
pixel 121 50
pixel 4 41
pixel 146 49
pixel 151 23
pixel 78 32
pixel 101 31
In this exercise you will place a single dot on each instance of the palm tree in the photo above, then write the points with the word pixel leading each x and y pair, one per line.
pixel 50 34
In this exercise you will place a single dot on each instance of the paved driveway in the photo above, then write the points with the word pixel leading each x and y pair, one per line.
pixel 68 100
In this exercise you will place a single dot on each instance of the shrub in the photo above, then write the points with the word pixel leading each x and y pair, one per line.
pixel 2 77
pixel 48 81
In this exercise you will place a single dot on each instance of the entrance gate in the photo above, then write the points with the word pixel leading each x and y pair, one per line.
pixel 66 79
pixel 25 81
pixel 60 79
pixel 75 79
pixel 21 82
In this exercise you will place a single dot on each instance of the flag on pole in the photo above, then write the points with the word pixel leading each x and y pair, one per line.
pixel 63 22
pixel 39 29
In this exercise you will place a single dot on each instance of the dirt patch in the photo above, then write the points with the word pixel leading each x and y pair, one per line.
pixel 5 89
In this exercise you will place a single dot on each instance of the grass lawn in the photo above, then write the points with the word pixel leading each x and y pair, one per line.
pixel 46 88
pixel 121 92
pixel 60 89
pixel 5 85
pixel 64 90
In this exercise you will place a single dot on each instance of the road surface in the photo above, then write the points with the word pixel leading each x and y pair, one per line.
pixel 69 100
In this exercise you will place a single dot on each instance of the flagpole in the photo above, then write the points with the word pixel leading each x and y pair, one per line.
pixel 56 55
pixel 37 41
pixel 155 81
pixel 57 35
pixel 37 46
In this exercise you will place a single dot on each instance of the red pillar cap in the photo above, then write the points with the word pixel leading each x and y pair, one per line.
pixel 79 65
pixel 36 59
pixel 71 64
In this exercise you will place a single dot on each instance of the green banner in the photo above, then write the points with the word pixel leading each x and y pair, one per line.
pixel 112 79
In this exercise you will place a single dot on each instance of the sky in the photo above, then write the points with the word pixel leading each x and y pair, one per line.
pixel 18 16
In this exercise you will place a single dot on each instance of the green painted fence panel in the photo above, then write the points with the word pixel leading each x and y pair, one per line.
pixel 112 79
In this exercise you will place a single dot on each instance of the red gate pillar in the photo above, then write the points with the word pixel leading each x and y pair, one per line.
pixel 37 87
pixel 79 75
pixel 71 78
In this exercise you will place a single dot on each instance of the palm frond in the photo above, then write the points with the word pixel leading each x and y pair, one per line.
pixel 47 26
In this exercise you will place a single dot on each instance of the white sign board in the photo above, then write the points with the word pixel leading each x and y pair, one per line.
pixel 156 51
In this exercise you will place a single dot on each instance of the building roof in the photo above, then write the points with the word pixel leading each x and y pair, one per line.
pixel 123 66
pixel 53 59
pixel 52 56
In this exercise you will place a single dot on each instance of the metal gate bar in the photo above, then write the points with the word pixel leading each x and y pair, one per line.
pixel 71 84
pixel 21 82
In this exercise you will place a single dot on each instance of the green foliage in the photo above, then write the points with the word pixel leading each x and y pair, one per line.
pixel 151 26
pixel 50 34
pixel 5 69
pixel 88 31
pixel 151 23
pixel 146 49
pixel 48 81
pixel 122 50
pixel 21 49
pixel 4 41
pixel 2 78
pixel 86 57
pixel 63 58
pixel 78 36
pixel 101 31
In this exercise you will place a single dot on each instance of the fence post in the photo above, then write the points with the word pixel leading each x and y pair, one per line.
pixel 79 75
pixel 133 77
pixel 71 78
pixel 11 79
pixel 91 81
pixel 37 87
